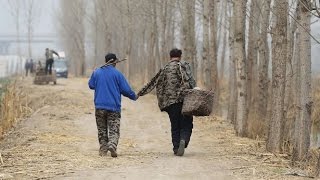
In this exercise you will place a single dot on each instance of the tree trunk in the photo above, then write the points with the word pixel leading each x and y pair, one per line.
pixel 224 41
pixel 303 124
pixel 252 50
pixel 152 46
pixel 279 53
pixel 129 41
pixel 263 80
pixel 213 56
pixel 72 21
pixel 96 30
pixel 232 104
pixel 289 88
pixel 30 19
pixel 206 64
pixel 190 51
pixel 164 11
pixel 297 90
pixel 240 60
pixel 15 7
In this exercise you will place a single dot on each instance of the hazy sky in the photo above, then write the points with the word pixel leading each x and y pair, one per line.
pixel 45 15
pixel 44 24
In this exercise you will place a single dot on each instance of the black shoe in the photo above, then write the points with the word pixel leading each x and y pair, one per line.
pixel 113 152
pixel 181 148
pixel 175 151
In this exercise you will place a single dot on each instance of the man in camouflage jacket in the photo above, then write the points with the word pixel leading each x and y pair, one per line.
pixel 170 82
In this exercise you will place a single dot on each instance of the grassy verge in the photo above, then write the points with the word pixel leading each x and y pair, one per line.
pixel 13 105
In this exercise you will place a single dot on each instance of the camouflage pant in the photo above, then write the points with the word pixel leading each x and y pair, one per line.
pixel 108 124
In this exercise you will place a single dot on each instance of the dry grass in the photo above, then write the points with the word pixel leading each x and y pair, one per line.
pixel 256 128
pixel 312 165
pixel 14 105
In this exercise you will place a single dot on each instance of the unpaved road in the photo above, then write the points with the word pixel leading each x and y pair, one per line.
pixel 59 141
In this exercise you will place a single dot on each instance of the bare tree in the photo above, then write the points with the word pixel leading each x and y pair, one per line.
pixel 232 103
pixel 31 12
pixel 103 8
pixel 15 10
pixel 164 10
pixel 94 20
pixel 99 21
pixel 213 55
pixel 303 123
pixel 188 30
pixel 224 30
pixel 252 57
pixel 264 59
pixel 288 128
pixel 73 33
pixel 206 43
pixel 279 59
pixel 240 60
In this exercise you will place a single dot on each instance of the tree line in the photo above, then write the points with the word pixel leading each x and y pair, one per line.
pixel 255 55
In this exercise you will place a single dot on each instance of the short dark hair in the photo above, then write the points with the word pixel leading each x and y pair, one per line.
pixel 110 57
pixel 175 53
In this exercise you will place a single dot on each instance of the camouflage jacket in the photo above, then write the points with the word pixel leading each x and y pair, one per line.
pixel 170 82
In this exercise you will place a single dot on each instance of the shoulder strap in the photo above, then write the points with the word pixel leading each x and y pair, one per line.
pixel 180 69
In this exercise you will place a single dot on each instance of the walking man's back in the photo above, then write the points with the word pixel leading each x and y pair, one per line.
pixel 170 83
pixel 109 84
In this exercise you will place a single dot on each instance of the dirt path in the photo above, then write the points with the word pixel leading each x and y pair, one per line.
pixel 59 141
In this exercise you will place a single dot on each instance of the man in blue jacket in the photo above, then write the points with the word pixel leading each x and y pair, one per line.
pixel 109 84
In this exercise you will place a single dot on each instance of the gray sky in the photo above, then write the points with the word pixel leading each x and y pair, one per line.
pixel 43 24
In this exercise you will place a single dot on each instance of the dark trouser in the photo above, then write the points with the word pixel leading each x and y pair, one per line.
pixel 181 126
pixel 49 63
pixel 27 72
pixel 108 124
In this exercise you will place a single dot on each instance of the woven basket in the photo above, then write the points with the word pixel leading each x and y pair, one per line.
pixel 197 102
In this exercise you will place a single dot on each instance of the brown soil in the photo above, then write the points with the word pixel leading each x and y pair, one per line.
pixel 59 141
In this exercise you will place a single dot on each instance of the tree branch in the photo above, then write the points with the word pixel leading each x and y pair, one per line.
pixel 307 31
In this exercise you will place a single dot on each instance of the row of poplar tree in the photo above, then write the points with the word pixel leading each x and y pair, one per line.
pixel 255 55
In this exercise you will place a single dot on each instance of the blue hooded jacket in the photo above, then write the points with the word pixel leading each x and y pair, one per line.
pixel 109 84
